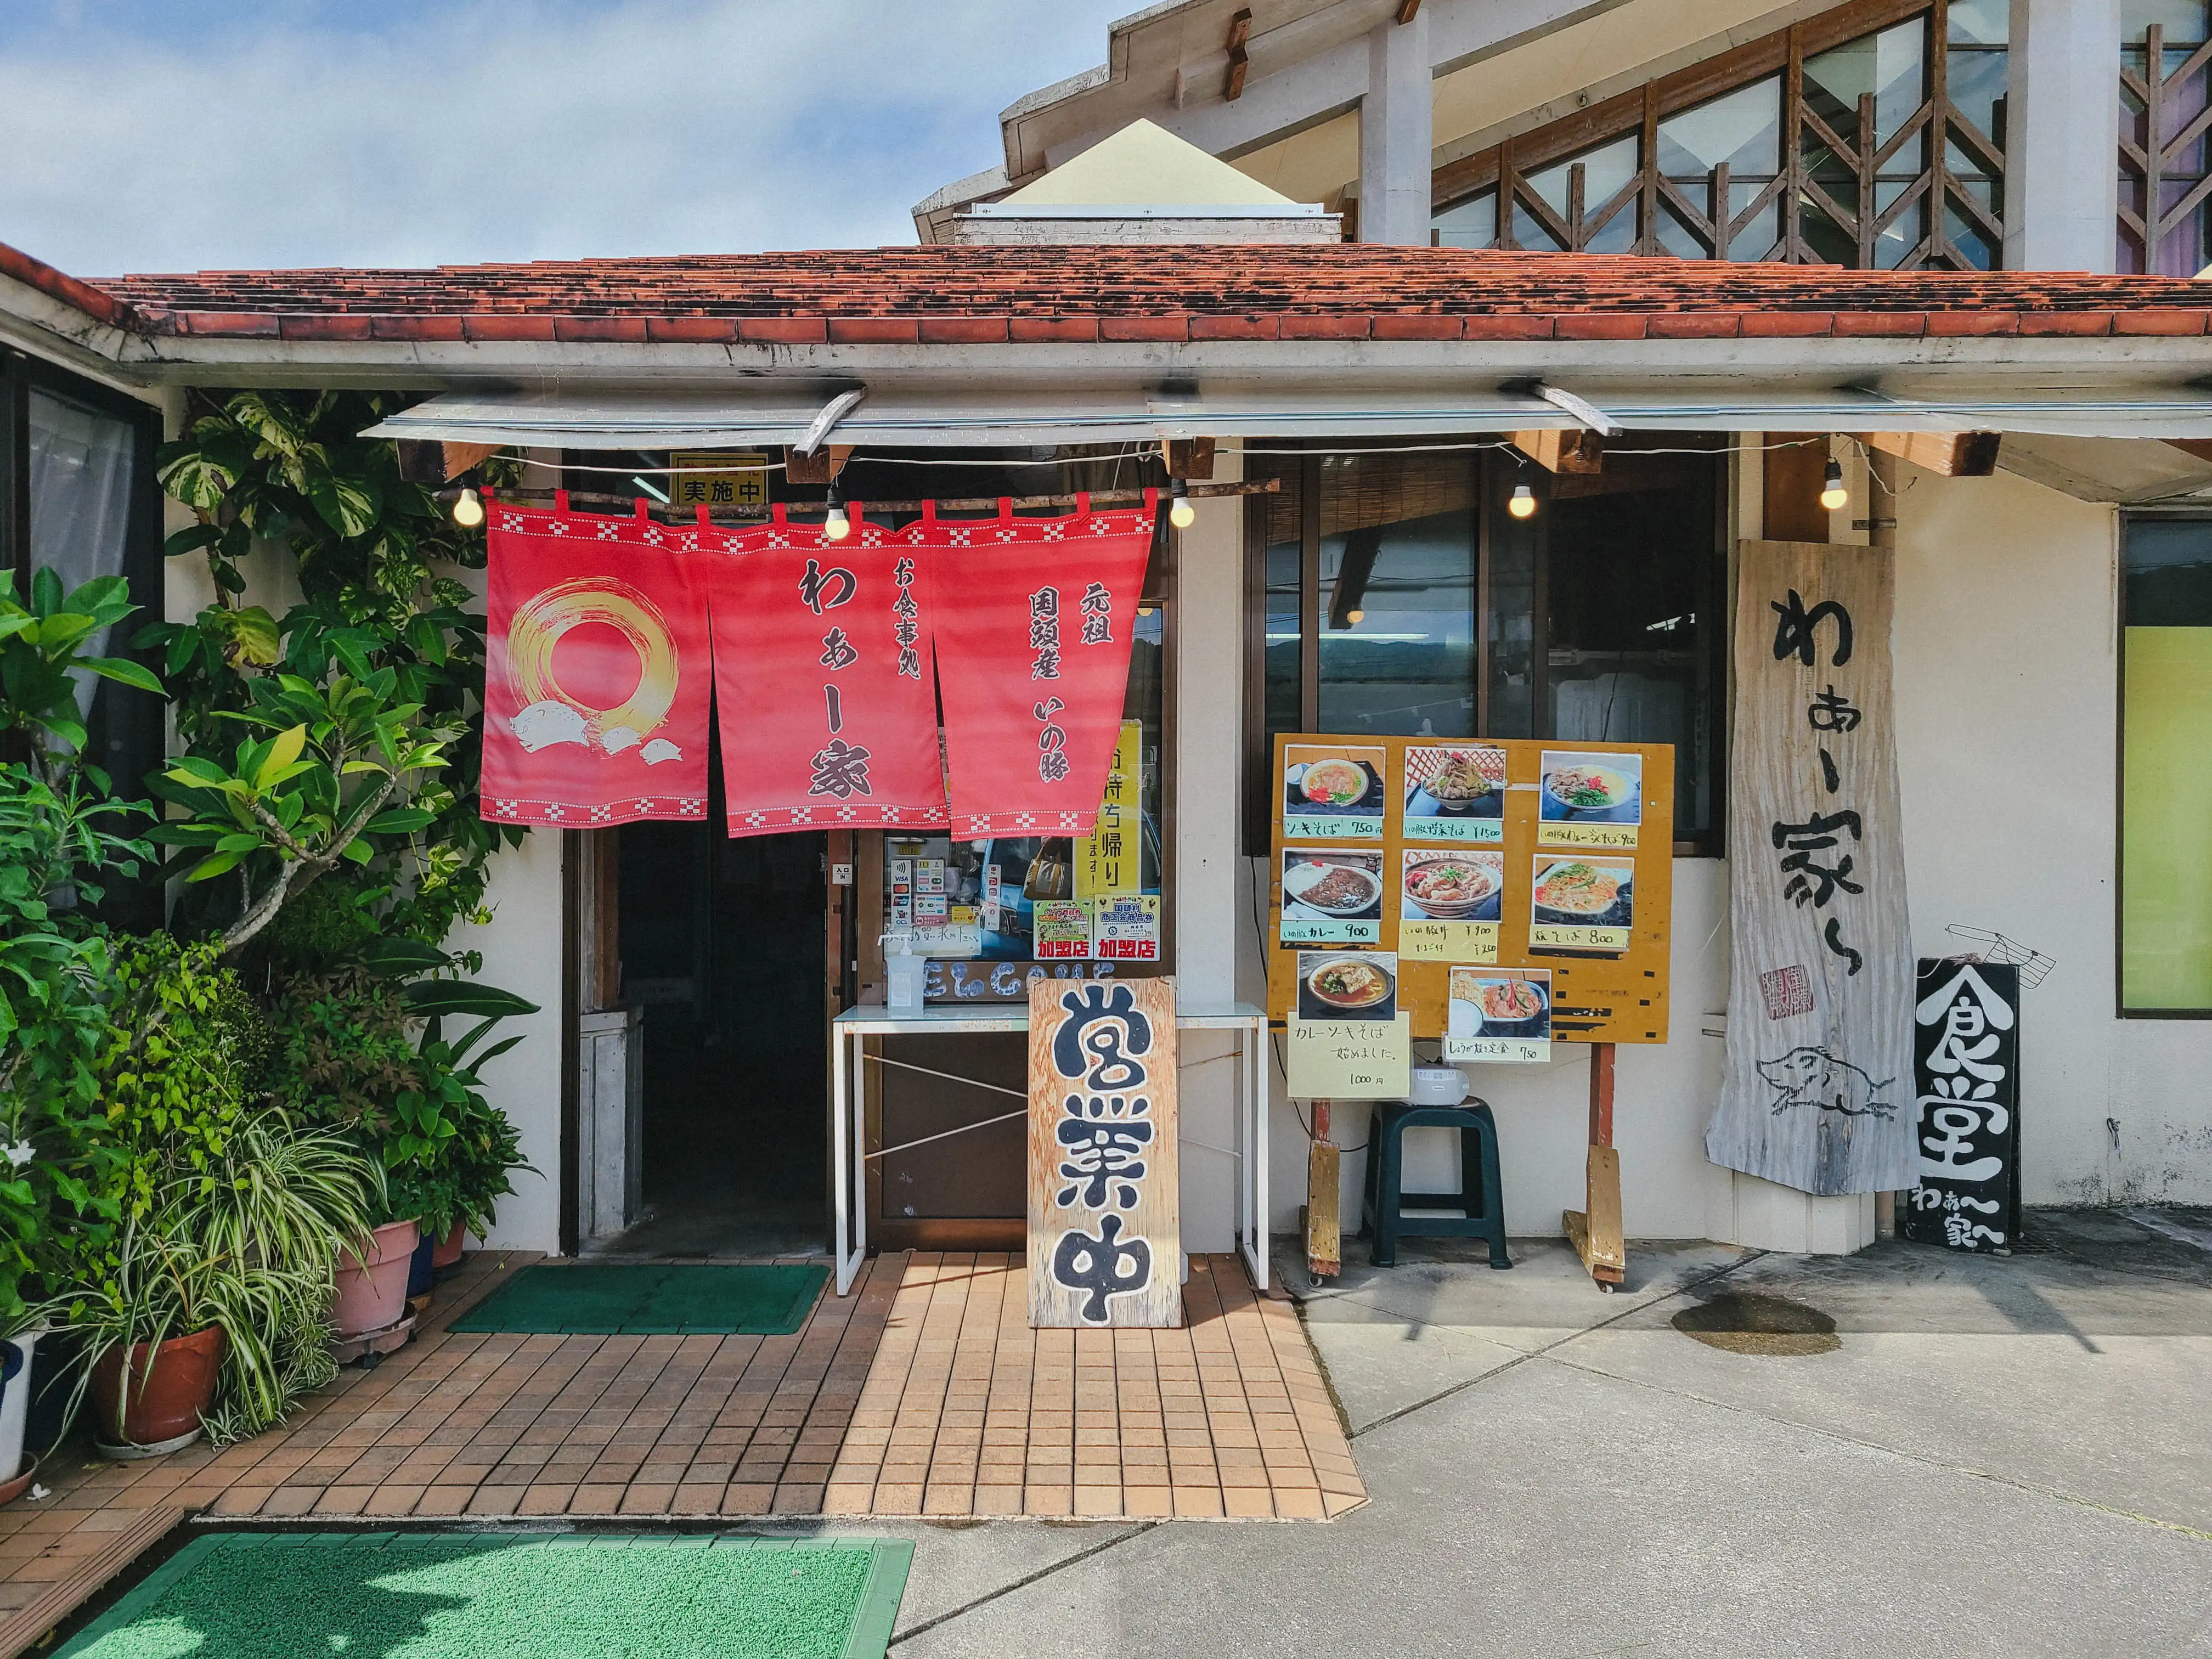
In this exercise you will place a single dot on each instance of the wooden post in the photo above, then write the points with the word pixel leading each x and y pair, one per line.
pixel 1595 1230
pixel 1324 1225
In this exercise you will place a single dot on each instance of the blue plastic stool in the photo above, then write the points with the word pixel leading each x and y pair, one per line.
pixel 1481 1198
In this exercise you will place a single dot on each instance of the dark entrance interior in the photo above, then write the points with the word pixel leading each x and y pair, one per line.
pixel 723 942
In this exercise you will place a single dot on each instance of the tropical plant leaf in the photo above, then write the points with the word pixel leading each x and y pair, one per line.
pixel 460 996
pixel 123 671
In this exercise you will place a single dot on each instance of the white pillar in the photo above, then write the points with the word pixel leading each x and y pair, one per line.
pixel 2062 126
pixel 1206 728
pixel 1397 134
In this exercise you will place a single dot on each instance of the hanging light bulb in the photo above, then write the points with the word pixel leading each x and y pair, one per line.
pixel 836 527
pixel 1524 504
pixel 1833 495
pixel 1181 513
pixel 468 509
pixel 1355 617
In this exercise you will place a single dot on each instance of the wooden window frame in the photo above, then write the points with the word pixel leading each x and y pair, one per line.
pixel 1504 166
pixel 2147 166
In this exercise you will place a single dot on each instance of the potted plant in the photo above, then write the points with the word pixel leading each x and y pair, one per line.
pixel 487 1151
pixel 210 1305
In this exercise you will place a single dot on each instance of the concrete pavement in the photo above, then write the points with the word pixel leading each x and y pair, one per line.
pixel 2003 1456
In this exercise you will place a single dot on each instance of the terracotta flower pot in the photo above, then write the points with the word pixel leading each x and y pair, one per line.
pixel 373 1293
pixel 164 1404
pixel 448 1252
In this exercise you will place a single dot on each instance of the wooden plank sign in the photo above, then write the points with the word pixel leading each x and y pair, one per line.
pixel 1819 1087
pixel 1105 1238
pixel 1965 1072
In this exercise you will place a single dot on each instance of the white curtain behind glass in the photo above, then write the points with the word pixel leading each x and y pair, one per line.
pixel 80 502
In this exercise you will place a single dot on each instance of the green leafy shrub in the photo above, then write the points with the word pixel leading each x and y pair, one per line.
pixel 55 981
pixel 355 708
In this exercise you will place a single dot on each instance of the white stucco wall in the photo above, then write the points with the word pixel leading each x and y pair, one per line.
pixel 2007 696
pixel 2006 669
pixel 521 946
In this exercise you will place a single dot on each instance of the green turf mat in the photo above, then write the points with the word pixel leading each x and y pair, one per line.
pixel 650 1300
pixel 489 1595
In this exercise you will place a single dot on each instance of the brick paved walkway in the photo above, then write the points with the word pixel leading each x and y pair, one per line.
pixel 924 1392
pixel 969 1412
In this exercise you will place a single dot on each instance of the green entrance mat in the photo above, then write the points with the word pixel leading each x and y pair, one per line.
pixel 650 1301
pixel 491 1595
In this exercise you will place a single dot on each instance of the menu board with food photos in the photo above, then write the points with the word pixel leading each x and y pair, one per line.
pixel 1546 866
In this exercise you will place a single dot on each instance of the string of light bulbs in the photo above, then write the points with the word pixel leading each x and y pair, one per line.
pixel 468 510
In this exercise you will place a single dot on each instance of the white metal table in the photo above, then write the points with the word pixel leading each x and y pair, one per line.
pixel 848 1096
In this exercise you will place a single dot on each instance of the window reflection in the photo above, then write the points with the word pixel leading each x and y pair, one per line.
pixel 1863 132
pixel 1585 192
pixel 1397 594
pixel 1631 655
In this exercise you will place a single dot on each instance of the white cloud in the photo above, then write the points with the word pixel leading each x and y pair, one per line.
pixel 512 128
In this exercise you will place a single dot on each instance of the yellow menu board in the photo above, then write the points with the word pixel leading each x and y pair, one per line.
pixel 1108 862
pixel 1554 857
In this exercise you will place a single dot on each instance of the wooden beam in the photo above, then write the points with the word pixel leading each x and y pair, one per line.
pixel 1795 464
pixel 1563 449
pixel 1240 31
pixel 1324 1224
pixel 1190 458
pixel 1946 454
pixel 460 457
pixel 821 467
pixel 1406 9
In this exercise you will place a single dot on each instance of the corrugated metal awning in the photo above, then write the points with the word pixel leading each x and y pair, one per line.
pixel 962 417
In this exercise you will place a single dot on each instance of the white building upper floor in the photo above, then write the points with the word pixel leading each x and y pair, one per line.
pixel 1882 134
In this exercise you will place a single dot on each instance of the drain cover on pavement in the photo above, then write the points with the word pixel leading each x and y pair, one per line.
pixel 1745 1321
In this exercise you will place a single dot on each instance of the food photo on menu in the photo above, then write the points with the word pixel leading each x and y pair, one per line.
pixel 1453 886
pixel 1332 791
pixel 1348 985
pixel 1455 793
pixel 1589 789
pixel 1332 897
pixel 1585 902
pixel 1498 1014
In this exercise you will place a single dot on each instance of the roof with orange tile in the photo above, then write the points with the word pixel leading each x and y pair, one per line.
pixel 954 295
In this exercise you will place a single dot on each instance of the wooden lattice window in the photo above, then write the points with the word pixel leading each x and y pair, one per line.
pixel 1871 136
pixel 2165 52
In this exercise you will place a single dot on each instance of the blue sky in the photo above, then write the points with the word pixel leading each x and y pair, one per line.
pixel 167 135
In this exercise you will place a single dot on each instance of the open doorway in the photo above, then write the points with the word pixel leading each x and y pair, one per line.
pixel 723 945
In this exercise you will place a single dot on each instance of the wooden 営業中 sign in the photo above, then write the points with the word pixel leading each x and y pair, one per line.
pixel 1105 1238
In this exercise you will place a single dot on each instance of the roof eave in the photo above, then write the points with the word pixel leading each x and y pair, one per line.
pixel 215 360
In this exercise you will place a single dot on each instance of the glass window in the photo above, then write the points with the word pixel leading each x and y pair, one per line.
pixel 1742 131
pixel 2182 19
pixel 2165 781
pixel 77 496
pixel 1397 594
pixel 1437 612
pixel 81 471
pixel 1635 629
pixel 1586 193
pixel 2170 119
pixel 1471 224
